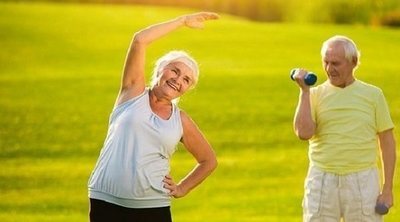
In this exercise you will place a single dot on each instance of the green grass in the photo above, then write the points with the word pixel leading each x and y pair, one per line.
pixel 60 68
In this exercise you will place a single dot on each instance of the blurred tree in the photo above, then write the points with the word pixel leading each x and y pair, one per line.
pixel 376 12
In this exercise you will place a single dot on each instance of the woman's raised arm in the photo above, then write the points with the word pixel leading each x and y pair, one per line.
pixel 133 77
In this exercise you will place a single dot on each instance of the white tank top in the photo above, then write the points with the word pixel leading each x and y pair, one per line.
pixel 135 156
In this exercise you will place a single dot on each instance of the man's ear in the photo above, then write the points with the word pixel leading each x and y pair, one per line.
pixel 355 61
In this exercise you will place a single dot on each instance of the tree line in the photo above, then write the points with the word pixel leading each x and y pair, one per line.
pixel 368 12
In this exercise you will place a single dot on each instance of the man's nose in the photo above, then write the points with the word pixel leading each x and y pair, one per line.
pixel 328 68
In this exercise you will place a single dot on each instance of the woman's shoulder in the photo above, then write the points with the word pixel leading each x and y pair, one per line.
pixel 119 108
pixel 187 121
pixel 131 100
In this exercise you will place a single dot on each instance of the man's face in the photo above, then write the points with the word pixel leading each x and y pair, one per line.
pixel 337 67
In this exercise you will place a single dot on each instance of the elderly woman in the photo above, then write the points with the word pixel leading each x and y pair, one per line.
pixel 131 180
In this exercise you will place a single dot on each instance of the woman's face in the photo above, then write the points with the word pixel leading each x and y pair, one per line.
pixel 176 78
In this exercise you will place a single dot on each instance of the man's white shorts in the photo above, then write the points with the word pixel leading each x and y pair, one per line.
pixel 329 197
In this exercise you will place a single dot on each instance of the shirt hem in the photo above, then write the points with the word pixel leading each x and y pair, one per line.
pixel 342 171
pixel 129 203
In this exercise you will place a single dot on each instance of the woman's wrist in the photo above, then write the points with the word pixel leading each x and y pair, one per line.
pixel 181 20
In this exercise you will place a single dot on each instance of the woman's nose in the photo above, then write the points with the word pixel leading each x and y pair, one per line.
pixel 178 79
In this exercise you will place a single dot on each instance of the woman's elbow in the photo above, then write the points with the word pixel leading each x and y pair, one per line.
pixel 139 38
pixel 215 164
pixel 212 164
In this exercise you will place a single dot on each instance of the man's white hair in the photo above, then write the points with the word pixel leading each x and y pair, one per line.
pixel 350 49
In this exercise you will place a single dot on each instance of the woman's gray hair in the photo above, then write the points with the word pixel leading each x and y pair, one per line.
pixel 170 57
pixel 350 49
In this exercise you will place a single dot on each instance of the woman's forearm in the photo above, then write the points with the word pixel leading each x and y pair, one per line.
pixel 154 32
pixel 197 175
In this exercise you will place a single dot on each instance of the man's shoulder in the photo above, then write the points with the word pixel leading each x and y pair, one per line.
pixel 368 86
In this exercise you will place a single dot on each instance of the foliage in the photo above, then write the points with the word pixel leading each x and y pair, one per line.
pixel 367 12
pixel 60 67
pixel 343 11
pixel 391 19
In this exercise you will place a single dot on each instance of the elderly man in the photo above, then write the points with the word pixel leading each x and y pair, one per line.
pixel 346 121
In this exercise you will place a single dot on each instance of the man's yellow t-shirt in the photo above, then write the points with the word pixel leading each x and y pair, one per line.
pixel 348 120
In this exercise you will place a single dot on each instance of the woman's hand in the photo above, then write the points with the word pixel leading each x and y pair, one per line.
pixel 174 189
pixel 196 20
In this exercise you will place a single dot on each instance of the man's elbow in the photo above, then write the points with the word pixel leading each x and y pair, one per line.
pixel 304 135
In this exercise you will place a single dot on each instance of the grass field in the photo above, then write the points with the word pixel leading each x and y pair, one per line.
pixel 60 68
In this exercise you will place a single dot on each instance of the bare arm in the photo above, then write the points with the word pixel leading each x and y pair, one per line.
pixel 202 151
pixel 133 76
pixel 304 126
pixel 388 150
